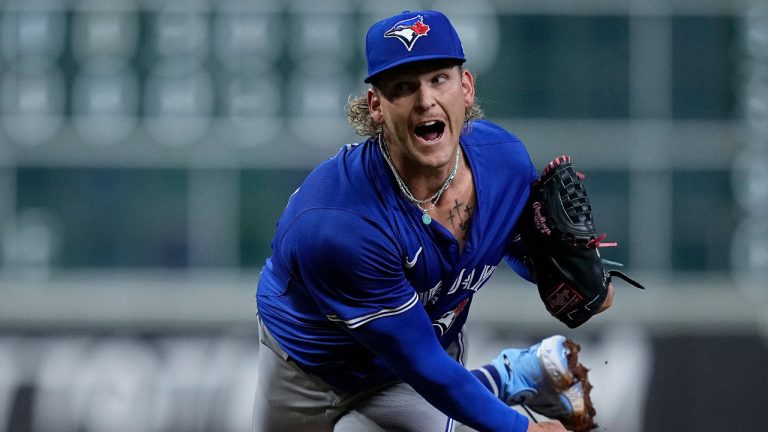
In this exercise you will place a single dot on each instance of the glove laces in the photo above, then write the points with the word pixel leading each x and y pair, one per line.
pixel 597 242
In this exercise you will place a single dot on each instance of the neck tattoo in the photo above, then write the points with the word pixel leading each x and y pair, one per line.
pixel 431 201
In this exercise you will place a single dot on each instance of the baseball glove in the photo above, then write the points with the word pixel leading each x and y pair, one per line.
pixel 562 245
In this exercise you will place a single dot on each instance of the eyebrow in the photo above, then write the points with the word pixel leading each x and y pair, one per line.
pixel 418 69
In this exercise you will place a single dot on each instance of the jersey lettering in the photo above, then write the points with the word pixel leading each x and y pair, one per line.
pixel 431 296
pixel 484 276
pixel 456 283
pixel 464 282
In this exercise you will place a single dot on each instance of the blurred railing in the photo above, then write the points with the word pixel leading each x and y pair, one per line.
pixel 161 301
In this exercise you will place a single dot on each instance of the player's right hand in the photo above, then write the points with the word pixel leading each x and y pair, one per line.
pixel 547 426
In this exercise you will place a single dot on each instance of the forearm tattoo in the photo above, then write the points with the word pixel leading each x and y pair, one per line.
pixel 460 216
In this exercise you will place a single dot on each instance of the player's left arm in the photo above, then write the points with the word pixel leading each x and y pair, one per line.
pixel 516 261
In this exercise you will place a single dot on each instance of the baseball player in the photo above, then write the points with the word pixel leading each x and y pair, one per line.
pixel 379 253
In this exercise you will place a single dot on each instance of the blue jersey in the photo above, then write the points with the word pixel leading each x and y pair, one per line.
pixel 350 250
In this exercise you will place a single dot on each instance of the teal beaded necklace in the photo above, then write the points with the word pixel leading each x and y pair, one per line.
pixel 431 201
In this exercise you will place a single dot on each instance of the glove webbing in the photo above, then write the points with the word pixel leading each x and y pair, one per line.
pixel 574 198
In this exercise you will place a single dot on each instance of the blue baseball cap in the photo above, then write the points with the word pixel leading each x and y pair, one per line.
pixel 410 37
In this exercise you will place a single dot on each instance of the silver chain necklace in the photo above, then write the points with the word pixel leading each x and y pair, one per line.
pixel 432 201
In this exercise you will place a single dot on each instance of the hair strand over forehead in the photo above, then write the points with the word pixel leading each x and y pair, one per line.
pixel 359 116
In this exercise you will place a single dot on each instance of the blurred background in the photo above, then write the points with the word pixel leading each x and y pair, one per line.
pixel 147 149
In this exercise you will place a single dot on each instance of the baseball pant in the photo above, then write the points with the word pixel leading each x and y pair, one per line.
pixel 292 400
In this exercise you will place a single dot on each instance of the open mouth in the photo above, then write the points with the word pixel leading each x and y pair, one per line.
pixel 430 131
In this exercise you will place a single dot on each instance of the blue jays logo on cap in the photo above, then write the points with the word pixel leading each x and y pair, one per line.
pixel 408 31
pixel 426 35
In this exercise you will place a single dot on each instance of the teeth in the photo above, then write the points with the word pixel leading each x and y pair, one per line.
pixel 429 123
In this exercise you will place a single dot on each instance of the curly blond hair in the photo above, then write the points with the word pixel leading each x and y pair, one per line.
pixel 359 116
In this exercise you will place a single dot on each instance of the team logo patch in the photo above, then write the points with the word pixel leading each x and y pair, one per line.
pixel 446 321
pixel 408 31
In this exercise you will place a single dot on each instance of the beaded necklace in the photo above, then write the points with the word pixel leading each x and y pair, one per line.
pixel 432 201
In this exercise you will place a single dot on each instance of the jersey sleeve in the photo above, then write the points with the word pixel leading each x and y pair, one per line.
pixel 350 265
pixel 406 342
pixel 515 259
pixel 516 250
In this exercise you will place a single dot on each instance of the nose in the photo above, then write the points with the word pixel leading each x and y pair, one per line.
pixel 425 98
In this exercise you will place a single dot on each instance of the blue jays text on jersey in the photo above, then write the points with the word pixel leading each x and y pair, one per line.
pixel 350 249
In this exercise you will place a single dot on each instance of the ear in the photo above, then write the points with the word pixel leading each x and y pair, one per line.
pixel 468 85
pixel 374 106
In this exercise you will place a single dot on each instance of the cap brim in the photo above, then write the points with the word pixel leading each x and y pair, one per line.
pixel 407 60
